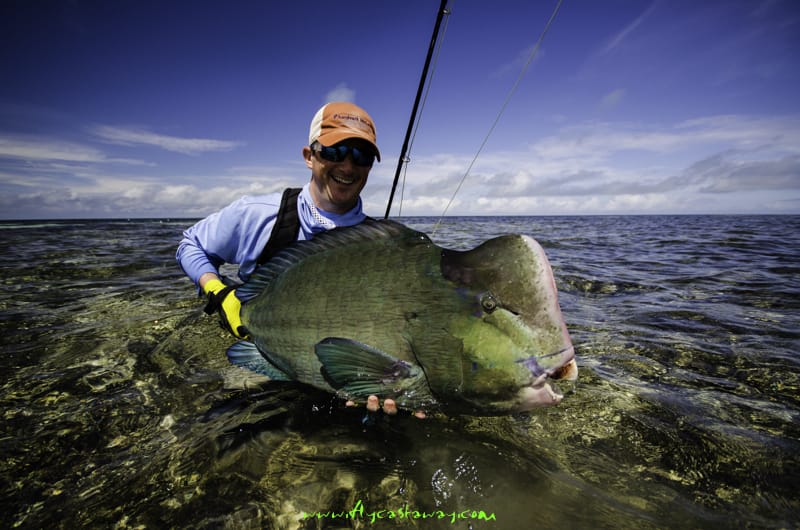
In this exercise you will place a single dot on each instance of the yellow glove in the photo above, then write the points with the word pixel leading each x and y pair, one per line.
pixel 222 299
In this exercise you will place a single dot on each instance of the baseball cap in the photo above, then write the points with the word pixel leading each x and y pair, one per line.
pixel 339 121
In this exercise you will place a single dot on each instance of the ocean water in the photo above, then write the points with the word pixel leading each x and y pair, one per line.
pixel 119 409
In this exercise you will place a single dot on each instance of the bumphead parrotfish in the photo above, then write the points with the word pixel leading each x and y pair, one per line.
pixel 378 308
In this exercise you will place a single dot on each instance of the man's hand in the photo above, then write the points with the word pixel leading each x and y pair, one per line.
pixel 222 299
pixel 389 406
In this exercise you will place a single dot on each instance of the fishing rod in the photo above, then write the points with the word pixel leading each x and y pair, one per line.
pixel 401 160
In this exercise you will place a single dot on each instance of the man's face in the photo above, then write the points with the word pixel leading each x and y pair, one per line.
pixel 335 186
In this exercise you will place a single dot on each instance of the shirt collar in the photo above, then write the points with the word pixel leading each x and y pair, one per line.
pixel 314 220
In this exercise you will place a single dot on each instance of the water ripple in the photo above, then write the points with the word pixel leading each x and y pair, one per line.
pixel 120 409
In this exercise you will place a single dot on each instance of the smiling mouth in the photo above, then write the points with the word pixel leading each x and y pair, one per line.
pixel 342 180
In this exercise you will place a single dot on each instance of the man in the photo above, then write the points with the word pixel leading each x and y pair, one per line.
pixel 341 149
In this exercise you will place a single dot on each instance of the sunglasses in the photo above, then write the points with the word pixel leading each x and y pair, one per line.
pixel 338 153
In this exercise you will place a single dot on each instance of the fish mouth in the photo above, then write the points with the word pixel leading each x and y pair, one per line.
pixel 540 393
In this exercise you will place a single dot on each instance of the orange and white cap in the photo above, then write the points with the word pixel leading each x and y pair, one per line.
pixel 339 121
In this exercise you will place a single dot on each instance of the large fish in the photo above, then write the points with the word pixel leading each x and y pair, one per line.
pixel 379 309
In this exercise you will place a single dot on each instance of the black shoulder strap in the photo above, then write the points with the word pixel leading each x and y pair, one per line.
pixel 286 227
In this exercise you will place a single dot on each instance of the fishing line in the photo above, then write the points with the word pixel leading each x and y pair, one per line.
pixel 407 158
pixel 500 113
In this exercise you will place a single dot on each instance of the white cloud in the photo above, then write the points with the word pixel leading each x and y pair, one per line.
pixel 714 164
pixel 518 62
pixel 619 37
pixel 340 93
pixel 727 173
pixel 31 148
pixel 135 136
pixel 618 167
pixel 613 98
pixel 113 197
pixel 745 131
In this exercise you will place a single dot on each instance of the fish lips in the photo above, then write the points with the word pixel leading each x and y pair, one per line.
pixel 540 393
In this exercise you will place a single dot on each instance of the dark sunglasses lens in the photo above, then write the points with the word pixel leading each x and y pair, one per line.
pixel 330 154
pixel 340 152
pixel 362 158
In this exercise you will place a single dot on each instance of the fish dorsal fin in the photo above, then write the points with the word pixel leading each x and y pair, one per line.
pixel 369 230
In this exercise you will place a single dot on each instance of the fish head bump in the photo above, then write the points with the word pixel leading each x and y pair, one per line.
pixel 514 338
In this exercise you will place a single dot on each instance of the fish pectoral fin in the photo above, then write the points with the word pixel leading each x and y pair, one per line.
pixel 245 354
pixel 360 370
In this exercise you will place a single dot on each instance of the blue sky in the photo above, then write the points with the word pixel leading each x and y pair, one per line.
pixel 174 109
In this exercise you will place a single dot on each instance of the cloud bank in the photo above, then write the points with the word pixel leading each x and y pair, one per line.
pixel 714 164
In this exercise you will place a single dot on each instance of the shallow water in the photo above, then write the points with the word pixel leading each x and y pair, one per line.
pixel 120 410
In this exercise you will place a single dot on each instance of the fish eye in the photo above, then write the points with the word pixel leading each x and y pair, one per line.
pixel 488 303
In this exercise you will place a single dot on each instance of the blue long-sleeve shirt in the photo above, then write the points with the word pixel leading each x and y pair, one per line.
pixel 239 232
